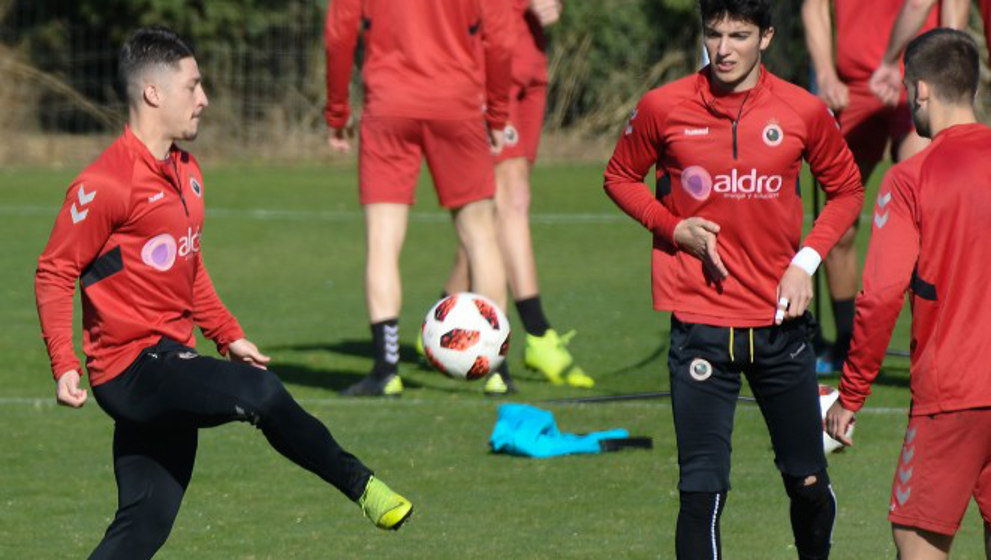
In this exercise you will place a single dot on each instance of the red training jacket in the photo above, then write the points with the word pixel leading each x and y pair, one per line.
pixel 932 220
pixel 129 232
pixel 862 30
pixel 733 159
pixel 424 59
pixel 530 51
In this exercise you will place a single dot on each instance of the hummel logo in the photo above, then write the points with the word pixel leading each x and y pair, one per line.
pixel 880 219
pixel 696 131
pixel 391 344
pixel 902 496
pixel 910 434
pixel 908 454
pixel 157 197
pixel 84 199
pixel 905 474
pixel 883 200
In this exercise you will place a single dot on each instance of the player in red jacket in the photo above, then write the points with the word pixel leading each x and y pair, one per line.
pixel 129 233
pixel 886 80
pixel 436 76
pixel 544 350
pixel 932 215
pixel 730 264
pixel 868 125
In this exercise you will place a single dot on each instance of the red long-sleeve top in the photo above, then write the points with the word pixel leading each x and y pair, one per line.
pixel 733 159
pixel 862 30
pixel 424 59
pixel 931 222
pixel 129 233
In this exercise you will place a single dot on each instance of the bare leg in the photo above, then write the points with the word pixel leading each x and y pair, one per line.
pixel 917 544
pixel 512 201
pixel 385 231
pixel 513 220
pixel 459 281
pixel 475 223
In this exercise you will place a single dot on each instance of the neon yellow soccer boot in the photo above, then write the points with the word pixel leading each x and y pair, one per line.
pixel 383 507
pixel 549 355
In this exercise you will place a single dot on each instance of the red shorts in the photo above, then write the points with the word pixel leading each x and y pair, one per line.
pixel 945 460
pixel 457 153
pixel 526 119
pixel 868 125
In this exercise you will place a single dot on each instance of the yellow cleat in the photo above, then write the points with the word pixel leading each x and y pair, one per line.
pixel 383 507
pixel 372 386
pixel 549 355
pixel 419 345
pixel 498 384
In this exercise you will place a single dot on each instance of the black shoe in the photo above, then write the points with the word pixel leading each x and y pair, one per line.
pixel 373 386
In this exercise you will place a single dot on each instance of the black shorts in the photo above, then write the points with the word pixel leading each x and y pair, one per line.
pixel 779 362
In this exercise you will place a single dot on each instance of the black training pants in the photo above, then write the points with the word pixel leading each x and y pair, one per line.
pixel 160 402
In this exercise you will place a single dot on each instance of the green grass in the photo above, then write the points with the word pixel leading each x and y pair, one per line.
pixel 294 280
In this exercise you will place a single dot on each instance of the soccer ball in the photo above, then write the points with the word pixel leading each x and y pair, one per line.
pixel 827 396
pixel 465 336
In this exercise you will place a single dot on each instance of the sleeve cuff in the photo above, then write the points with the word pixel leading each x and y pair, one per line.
pixel 808 259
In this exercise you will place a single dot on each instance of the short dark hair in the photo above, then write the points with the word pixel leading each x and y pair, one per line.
pixel 757 12
pixel 146 47
pixel 947 60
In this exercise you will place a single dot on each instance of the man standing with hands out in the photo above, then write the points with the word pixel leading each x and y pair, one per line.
pixel 730 264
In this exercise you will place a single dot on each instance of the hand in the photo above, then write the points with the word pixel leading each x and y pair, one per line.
pixel 697 237
pixel 834 93
pixel 497 139
pixel 794 294
pixel 838 423
pixel 548 12
pixel 68 392
pixel 339 139
pixel 243 350
pixel 886 83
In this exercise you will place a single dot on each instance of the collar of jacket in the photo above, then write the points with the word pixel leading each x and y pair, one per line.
pixel 728 104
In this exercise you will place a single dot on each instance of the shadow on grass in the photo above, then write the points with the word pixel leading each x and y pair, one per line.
pixel 656 355
pixel 358 348
pixel 308 376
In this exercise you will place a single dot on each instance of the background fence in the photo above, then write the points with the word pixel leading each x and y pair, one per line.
pixel 262 63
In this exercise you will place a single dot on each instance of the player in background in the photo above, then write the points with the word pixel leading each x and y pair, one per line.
pixel 545 350
pixel 868 126
pixel 886 81
pixel 436 76
pixel 932 213
pixel 729 263
pixel 130 232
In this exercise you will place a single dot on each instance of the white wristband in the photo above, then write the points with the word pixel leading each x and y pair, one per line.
pixel 807 259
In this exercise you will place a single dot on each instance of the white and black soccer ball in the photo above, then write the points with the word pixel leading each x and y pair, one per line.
pixel 827 396
pixel 465 336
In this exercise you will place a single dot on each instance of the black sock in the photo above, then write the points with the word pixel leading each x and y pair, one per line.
pixel 813 511
pixel 843 311
pixel 385 346
pixel 697 535
pixel 532 315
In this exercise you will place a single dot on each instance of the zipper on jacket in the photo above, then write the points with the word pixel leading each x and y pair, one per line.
pixel 736 122
pixel 178 183
pixel 734 140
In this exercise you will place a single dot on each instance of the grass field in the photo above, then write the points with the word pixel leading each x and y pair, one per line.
pixel 285 249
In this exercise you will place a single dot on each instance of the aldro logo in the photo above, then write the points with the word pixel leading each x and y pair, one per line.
pixel 700 185
pixel 161 251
